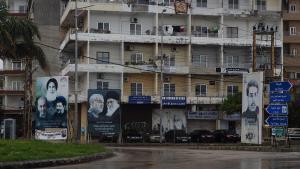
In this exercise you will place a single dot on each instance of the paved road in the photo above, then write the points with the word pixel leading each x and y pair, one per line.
pixel 179 158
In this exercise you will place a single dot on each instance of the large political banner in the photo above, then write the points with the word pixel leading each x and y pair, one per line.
pixel 252 108
pixel 51 108
pixel 103 112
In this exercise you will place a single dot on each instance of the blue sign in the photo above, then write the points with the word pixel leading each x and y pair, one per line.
pixel 139 100
pixel 174 100
pixel 277 109
pixel 204 115
pixel 280 86
pixel 277 121
pixel 280 97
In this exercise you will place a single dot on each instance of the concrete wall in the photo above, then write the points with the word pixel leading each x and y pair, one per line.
pixel 243 4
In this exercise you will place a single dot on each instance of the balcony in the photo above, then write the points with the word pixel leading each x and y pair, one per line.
pixel 105 68
pixel 205 68
pixel 10 110
pixel 291 38
pixel 291 61
pixel 290 16
pixel 12 72
pixel 11 91
pixel 205 100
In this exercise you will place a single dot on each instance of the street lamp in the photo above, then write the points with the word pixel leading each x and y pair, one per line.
pixel 161 76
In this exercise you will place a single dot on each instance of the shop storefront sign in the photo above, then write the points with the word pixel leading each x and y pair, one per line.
pixel 203 115
pixel 174 100
pixel 139 100
pixel 232 117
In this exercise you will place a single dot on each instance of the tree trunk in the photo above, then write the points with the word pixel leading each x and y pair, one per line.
pixel 28 98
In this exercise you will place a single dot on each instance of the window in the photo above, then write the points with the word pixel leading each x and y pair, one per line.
pixel 261 5
pixel 1 82
pixel 16 85
pixel 292 8
pixel 22 9
pixel 1 102
pixel 102 85
pixel 294 51
pixel 231 90
pixel 169 60
pixel 136 89
pixel 233 4
pixel 102 58
pixel 293 30
pixel 135 29
pixel 263 62
pixel 232 61
pixel 200 60
pixel 169 89
pixel 232 32
pixel 137 58
pixel 294 75
pixel 168 2
pixel 103 26
pixel 201 31
pixel 16 65
pixel 202 3
pixel 201 90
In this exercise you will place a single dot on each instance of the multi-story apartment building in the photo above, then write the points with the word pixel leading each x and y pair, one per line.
pixel 12 77
pixel 114 37
pixel 291 41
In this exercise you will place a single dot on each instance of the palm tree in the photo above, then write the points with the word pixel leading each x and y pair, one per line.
pixel 17 37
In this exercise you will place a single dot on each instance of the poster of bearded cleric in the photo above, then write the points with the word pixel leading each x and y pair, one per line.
pixel 252 108
pixel 103 112
pixel 51 108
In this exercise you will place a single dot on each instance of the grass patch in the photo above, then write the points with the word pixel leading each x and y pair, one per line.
pixel 20 150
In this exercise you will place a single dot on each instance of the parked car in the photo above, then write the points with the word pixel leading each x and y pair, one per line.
pixel 154 137
pixel 179 136
pixel 109 138
pixel 203 136
pixel 132 136
pixel 226 136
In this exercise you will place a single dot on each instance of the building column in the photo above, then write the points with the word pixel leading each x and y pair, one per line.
pixel 156 84
pixel 83 122
pixel 189 82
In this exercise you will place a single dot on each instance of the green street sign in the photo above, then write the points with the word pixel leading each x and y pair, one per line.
pixel 278 132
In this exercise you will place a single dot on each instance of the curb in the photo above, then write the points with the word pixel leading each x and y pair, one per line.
pixel 54 162
pixel 264 148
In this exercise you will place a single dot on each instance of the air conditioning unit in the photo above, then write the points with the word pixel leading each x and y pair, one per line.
pixel 125 79
pixel 129 48
pixel 167 79
pixel 133 20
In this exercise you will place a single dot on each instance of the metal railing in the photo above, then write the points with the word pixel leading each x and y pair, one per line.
pixel 294 133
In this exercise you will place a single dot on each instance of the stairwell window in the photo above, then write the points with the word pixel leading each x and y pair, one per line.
pixel 137 58
pixel 202 3
pixel 201 90
pixel 233 4
pixel 232 32
pixel 232 89
pixel 293 30
pixel 261 5
pixel 169 89
pixel 136 89
pixel 292 8
pixel 135 29
pixel 102 58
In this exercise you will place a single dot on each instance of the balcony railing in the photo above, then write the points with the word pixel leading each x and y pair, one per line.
pixel 203 34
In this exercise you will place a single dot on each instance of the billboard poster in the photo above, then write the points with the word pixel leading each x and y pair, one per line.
pixel 252 108
pixel 170 118
pixel 51 108
pixel 104 112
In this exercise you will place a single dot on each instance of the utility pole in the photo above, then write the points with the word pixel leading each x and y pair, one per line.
pixel 161 77
pixel 75 125
pixel 254 52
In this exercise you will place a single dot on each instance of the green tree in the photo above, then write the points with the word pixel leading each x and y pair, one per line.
pixel 17 41
pixel 232 104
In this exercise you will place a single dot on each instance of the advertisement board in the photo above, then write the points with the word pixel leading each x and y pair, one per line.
pixel 103 112
pixel 51 108
pixel 252 108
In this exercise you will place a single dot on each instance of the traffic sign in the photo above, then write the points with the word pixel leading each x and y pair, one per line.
pixel 280 86
pixel 277 120
pixel 277 109
pixel 278 132
pixel 280 97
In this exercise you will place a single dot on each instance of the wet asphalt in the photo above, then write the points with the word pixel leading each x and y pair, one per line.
pixel 184 158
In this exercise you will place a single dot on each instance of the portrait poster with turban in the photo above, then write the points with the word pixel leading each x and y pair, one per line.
pixel 51 108
pixel 103 112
